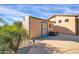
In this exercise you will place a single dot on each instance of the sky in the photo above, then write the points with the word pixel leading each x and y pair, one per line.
pixel 15 12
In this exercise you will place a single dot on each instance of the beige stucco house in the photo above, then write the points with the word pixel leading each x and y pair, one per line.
pixel 37 27
pixel 67 24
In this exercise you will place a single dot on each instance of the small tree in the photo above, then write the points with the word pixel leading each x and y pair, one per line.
pixel 11 37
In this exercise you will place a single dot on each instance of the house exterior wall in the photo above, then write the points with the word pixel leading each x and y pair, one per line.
pixel 64 27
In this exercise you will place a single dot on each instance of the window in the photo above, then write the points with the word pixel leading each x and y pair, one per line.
pixel 60 21
pixel 54 21
pixel 49 25
pixel 66 20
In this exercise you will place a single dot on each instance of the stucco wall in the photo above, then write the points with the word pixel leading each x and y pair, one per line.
pixel 25 22
pixel 64 27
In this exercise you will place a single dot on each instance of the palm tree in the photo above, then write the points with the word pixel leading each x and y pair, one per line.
pixel 18 34
pixel 11 37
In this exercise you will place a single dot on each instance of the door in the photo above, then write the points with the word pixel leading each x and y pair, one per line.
pixel 44 29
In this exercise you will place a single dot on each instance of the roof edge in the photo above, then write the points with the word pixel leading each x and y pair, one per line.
pixel 77 15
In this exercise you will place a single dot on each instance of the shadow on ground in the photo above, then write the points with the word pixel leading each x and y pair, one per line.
pixel 61 37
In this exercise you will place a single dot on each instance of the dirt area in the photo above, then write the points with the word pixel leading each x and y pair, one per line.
pixel 63 47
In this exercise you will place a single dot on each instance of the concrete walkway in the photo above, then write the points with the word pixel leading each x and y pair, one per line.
pixel 38 50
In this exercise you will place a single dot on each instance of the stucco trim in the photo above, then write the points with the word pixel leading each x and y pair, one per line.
pixel 40 19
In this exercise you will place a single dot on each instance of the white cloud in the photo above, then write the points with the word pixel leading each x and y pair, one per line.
pixel 4 10
pixel 35 10
pixel 70 11
pixel 11 14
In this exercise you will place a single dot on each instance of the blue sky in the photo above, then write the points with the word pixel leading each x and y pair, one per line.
pixel 15 12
